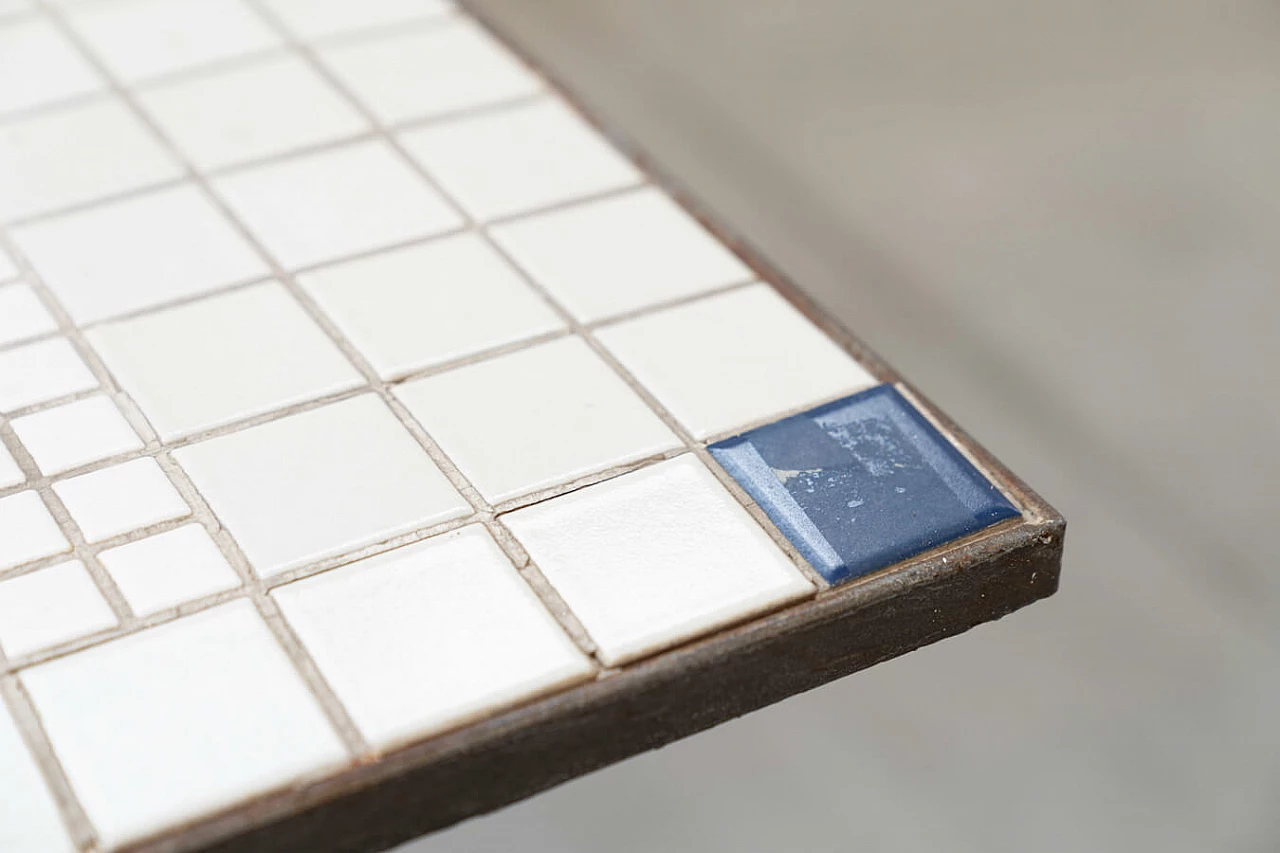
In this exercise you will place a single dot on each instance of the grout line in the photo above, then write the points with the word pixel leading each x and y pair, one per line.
pixel 30 728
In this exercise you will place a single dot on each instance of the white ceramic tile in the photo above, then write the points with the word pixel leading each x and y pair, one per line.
pixel 29 820
pixel 121 498
pixel 7 268
pixel 729 361
pixel 535 418
pixel 138 253
pixel 222 359
pixel 142 38
pixel 39 66
pixel 430 636
pixel 320 483
pixel 256 110
pixel 27 530
pixel 45 163
pixel 431 303
pixel 10 473
pixel 14 7
pixel 76 434
pixel 606 257
pixel 164 571
pixel 22 314
pixel 528 156
pixel 179 720
pixel 50 606
pixel 334 203
pixel 453 66
pixel 310 19
pixel 44 370
pixel 656 557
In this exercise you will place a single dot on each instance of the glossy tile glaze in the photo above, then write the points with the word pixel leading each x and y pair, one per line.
pixel 354 389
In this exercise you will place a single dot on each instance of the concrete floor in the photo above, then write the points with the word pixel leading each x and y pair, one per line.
pixel 1062 220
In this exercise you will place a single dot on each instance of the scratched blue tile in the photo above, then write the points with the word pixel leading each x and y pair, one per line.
pixel 862 483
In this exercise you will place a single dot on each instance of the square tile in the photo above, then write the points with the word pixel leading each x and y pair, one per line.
pixel 256 110
pixel 180 720
pixel 427 304
pixel 731 360
pixel 121 498
pixel 430 636
pixel 76 434
pixel 27 530
pixel 45 164
pixel 22 314
pixel 519 159
pixel 311 19
pixel 453 66
pixel 39 66
pixel 606 257
pixel 862 483
pixel 320 483
pixel 29 818
pixel 44 370
pixel 138 253
pixel 7 268
pixel 50 606
pixel 656 557
pixel 222 359
pixel 138 39
pixel 10 473
pixel 164 571
pixel 333 203
pixel 535 418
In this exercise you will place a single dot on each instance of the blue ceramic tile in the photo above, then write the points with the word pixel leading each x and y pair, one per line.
pixel 862 483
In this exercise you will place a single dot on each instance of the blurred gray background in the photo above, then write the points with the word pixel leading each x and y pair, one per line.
pixel 1062 221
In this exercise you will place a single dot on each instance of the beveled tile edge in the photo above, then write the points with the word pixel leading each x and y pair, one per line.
pixel 397 795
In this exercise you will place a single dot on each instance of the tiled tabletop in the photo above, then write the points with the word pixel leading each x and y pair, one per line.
pixel 354 390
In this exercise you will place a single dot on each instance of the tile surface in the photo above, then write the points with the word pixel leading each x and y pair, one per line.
pixel 428 636
pixel 42 371
pixel 656 557
pixel 535 418
pixel 223 359
pixel 309 19
pixel 29 819
pixel 27 530
pixel 121 498
pixel 50 606
pixel 862 483
pixel 318 483
pixel 22 314
pixel 608 257
pixel 10 473
pixel 169 569
pixel 76 434
pixel 212 712
pixel 39 66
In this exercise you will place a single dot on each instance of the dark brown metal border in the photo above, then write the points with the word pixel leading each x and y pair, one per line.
pixel 432 784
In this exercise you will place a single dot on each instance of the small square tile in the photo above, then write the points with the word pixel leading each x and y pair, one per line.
pixel 656 557
pixel 536 418
pixel 180 720
pixel 29 819
pixel 121 498
pixel 333 203
pixel 39 66
pixel 320 483
pixel 311 19
pixel 10 473
pixel 50 606
pixel 731 360
pixel 138 253
pixel 44 370
pixel 256 110
pixel 453 66
pixel 862 483
pixel 430 636
pixel 424 305
pixel 22 314
pixel 45 164
pixel 7 268
pixel 164 571
pixel 138 39
pixel 606 257
pixel 519 159
pixel 76 434
pixel 222 359
pixel 27 530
